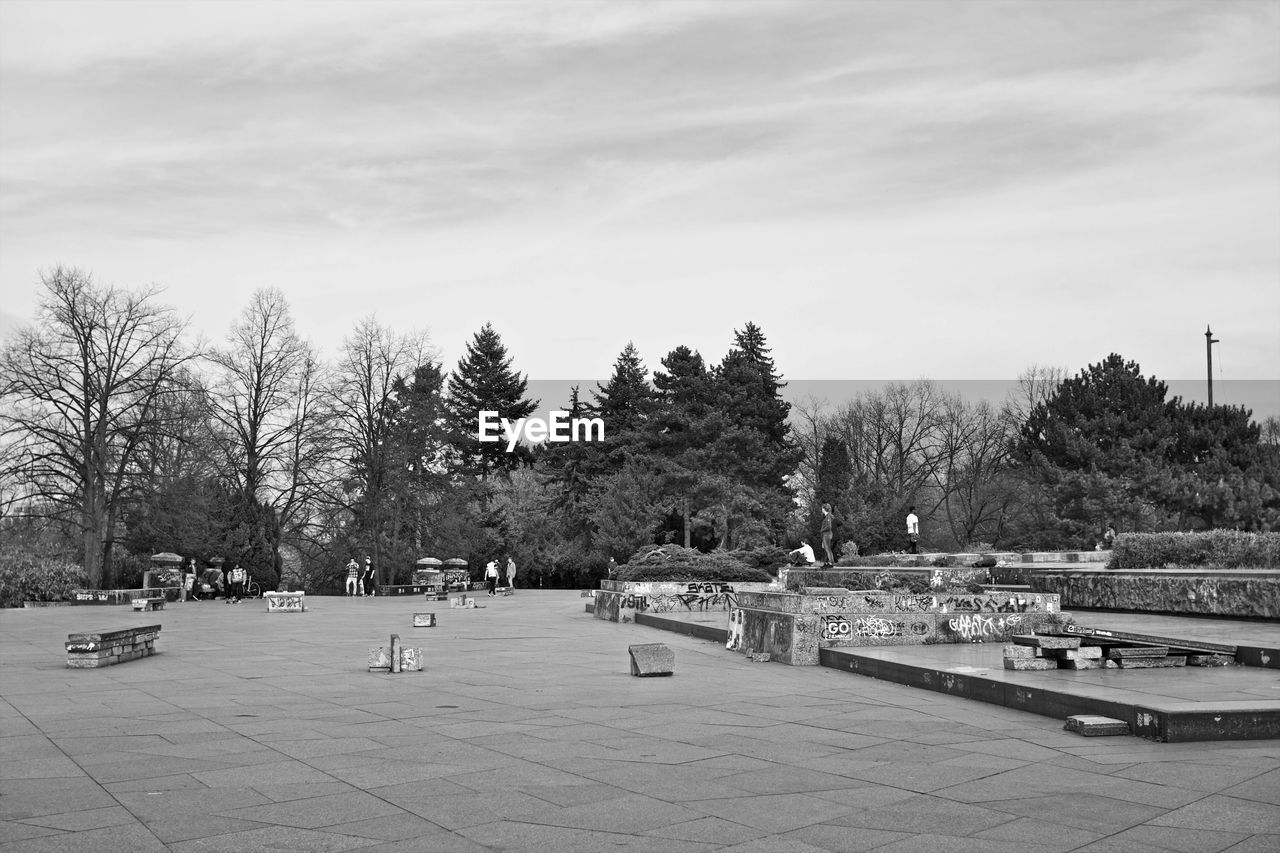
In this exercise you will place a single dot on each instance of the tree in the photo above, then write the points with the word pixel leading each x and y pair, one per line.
pixel 484 381
pixel 81 391
pixel 626 400
pixel 373 358
pixel 835 475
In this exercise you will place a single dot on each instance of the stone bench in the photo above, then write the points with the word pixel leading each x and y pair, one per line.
pixel 286 602
pixel 145 604
pixel 93 649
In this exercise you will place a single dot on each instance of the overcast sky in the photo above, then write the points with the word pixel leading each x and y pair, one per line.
pixel 891 190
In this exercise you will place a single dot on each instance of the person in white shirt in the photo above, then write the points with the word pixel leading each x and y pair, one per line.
pixel 491 577
pixel 913 531
pixel 511 573
pixel 803 556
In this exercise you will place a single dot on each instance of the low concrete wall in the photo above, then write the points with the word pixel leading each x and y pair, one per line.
pixel 620 601
pixel 793 627
pixel 123 596
pixel 1227 593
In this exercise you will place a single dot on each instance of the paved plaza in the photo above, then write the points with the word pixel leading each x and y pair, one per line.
pixel 526 732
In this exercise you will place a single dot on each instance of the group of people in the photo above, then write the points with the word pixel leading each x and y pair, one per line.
pixel 360 581
pixel 227 582
pixel 491 575
pixel 804 555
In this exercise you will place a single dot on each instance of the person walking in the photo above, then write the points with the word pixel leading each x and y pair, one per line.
pixel 511 573
pixel 353 577
pixel 913 531
pixel 190 585
pixel 367 577
pixel 491 578
pixel 827 524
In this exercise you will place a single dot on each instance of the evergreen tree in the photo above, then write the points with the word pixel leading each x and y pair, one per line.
pixel 626 400
pixel 485 381
pixel 835 475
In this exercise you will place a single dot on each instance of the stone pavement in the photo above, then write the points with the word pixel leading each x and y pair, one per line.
pixel 526 732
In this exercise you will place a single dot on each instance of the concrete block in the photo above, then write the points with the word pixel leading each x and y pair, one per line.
pixel 758 657
pixel 1046 641
pixel 1152 663
pixel 1019 653
pixel 1081 663
pixel 1093 725
pixel 650 659
pixel 1082 653
pixel 424 620
pixel 1121 652
pixel 1033 664
pixel 395 652
pixel 379 659
pixel 411 659
pixel 1210 660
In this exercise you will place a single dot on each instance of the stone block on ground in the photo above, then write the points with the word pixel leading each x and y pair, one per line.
pixel 379 659
pixel 395 652
pixel 424 620
pixel 1210 660
pixel 411 659
pixel 1082 653
pixel 1019 653
pixel 1080 663
pixel 1035 664
pixel 1093 725
pixel 758 657
pixel 1152 663
pixel 650 659
pixel 1122 652
pixel 1046 641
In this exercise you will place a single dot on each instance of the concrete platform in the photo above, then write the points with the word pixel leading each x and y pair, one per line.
pixel 526 732
pixel 1189 704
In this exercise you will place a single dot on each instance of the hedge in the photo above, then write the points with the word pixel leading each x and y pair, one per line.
pixel 27 577
pixel 1210 549
pixel 906 583
pixel 675 563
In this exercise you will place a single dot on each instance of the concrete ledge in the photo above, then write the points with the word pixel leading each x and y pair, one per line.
pixel 1251 594
pixel 689 629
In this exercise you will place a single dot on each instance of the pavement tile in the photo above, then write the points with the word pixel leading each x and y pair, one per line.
pixel 1268 843
pixel 396 827
pixel 1180 839
pixel 1229 814
pixel 711 830
pixel 78 821
pixel 316 812
pixel 833 837
pixel 268 839
pixel 776 813
pixel 1264 788
pixel 1087 811
pixel 1038 835
pixel 12 830
pixel 111 839
pixel 925 814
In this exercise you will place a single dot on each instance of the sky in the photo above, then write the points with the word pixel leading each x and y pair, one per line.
pixel 952 190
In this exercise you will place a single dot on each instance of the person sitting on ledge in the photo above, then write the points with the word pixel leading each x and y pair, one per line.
pixel 802 556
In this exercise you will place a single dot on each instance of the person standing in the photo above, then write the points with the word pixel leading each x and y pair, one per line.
pixel 353 577
pixel 190 583
pixel 913 531
pixel 491 577
pixel 511 573
pixel 367 577
pixel 238 576
pixel 827 523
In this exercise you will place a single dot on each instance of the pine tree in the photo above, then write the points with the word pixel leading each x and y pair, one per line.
pixel 834 477
pixel 485 381
pixel 626 400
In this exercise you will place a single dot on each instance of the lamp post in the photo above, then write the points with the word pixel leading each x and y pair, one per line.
pixel 1209 341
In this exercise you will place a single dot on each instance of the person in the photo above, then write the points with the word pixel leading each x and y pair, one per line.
pixel 1109 538
pixel 827 523
pixel 803 556
pixel 353 578
pixel 367 577
pixel 491 577
pixel 238 577
pixel 613 567
pixel 913 531
pixel 190 589
pixel 511 573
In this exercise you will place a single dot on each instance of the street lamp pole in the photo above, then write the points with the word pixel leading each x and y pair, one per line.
pixel 1209 341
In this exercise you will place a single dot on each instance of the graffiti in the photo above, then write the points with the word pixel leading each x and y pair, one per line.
pixel 987 604
pixel 711 588
pixel 919 628
pixel 735 631
pixel 634 602
pixel 913 603
pixel 976 627
pixel 871 626
pixel 843 628
pixel 873 602
pixel 700 596
pixel 665 603
pixel 836 628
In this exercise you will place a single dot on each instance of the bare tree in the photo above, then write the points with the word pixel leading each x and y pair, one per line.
pixel 1035 385
pixel 81 390
pixel 372 358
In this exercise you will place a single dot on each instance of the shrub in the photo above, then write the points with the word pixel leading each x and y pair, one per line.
pixel 30 577
pixel 768 557
pixel 674 563
pixel 1211 549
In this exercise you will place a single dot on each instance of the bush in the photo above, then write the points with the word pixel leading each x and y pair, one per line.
pixel 1211 549
pixel 911 583
pixel 767 557
pixel 674 563
pixel 30 577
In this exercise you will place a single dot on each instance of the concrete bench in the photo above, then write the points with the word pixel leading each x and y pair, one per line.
pixel 93 649
pixel 286 602
pixel 146 604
